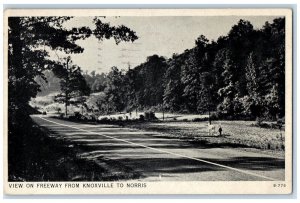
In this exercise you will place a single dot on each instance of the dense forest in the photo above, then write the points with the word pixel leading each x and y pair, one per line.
pixel 239 76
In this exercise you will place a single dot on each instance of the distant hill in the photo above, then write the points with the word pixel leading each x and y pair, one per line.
pixel 48 87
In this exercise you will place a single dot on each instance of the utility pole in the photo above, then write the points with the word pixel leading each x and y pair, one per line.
pixel 209 102
pixel 163 109
pixel 136 106
pixel 66 93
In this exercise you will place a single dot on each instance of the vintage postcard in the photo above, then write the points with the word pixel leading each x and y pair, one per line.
pixel 148 101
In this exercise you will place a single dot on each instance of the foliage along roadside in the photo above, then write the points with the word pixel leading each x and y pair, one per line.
pixel 239 76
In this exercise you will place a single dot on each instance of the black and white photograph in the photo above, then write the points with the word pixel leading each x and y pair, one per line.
pixel 137 101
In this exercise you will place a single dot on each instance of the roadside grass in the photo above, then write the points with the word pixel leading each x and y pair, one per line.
pixel 245 135
pixel 41 157
pixel 242 134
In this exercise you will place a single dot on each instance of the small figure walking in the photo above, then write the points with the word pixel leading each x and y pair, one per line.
pixel 220 130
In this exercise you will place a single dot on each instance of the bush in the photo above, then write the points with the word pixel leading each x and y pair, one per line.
pixel 259 121
pixel 58 110
pixel 92 117
pixel 280 122
pixel 264 125
pixel 150 115
pixel 214 116
pixel 199 119
pixel 77 115
pixel 142 118
pixel 84 117
pixel 104 119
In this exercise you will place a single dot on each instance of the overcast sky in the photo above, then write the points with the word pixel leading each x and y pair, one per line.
pixel 157 35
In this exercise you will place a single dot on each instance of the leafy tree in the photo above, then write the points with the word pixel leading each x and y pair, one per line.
pixel 98 85
pixel 96 81
pixel 240 41
pixel 195 66
pixel 255 100
pixel 150 81
pixel 206 103
pixel 97 102
pixel 173 91
pixel 115 90
pixel 25 63
pixel 252 76
pixel 276 60
pixel 272 103
pixel 131 86
pixel 28 58
pixel 72 83
pixel 52 84
pixel 29 39
pixel 191 82
pixel 93 74
pixel 230 90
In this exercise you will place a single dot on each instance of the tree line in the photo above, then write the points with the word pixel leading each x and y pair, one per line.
pixel 238 76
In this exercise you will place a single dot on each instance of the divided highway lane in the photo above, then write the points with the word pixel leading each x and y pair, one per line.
pixel 159 158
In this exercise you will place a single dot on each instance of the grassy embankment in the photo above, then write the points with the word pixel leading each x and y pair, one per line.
pixel 242 134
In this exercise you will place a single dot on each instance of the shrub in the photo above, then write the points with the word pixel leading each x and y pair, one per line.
pixel 150 115
pixel 268 145
pixel 84 117
pixel 259 121
pixel 280 123
pixel 58 109
pixel 200 119
pixel 71 118
pixel 214 116
pixel 92 118
pixel 104 119
pixel 142 118
pixel 264 125
pixel 77 115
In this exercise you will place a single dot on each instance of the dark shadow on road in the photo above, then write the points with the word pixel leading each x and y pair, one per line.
pixel 252 163
pixel 183 165
pixel 150 166
pixel 153 167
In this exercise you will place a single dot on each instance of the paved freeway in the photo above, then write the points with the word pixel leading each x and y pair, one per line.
pixel 159 158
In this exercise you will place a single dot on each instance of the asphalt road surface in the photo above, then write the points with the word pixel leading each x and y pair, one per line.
pixel 158 158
